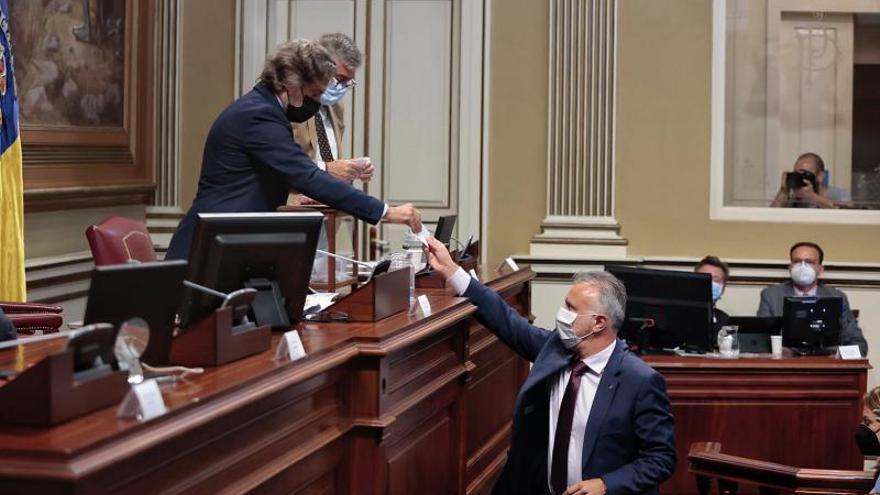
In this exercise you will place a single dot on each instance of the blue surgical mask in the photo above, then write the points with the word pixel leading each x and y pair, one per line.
pixel 333 93
pixel 717 289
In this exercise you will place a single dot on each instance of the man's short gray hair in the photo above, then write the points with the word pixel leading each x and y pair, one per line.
pixel 341 47
pixel 612 295
pixel 297 63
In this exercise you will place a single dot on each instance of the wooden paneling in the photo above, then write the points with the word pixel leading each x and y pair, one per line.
pixel 393 407
pixel 796 411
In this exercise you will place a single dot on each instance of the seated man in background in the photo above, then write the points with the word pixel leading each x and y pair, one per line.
pixel 720 273
pixel 812 191
pixel 591 418
pixel 806 260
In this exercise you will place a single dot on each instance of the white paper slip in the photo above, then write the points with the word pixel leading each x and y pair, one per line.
pixel 425 304
pixel 423 235
pixel 144 401
pixel 512 264
pixel 849 352
pixel 473 274
pixel 290 347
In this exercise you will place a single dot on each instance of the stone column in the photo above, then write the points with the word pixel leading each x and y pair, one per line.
pixel 580 160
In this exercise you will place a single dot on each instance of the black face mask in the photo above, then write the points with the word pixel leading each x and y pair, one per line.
pixel 303 113
pixel 867 440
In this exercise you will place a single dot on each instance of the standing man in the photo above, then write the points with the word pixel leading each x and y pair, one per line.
pixel 251 161
pixel 805 266
pixel 591 418
pixel 321 136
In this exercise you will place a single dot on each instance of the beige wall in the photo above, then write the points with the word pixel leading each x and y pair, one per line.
pixel 663 133
pixel 517 124
pixel 207 80
pixel 663 130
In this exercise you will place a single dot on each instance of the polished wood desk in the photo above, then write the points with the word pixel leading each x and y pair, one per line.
pixel 408 405
pixel 799 411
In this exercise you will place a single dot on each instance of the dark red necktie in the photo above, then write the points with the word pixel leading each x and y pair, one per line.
pixel 559 466
pixel 323 141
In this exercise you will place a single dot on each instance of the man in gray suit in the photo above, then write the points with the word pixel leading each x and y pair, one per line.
pixel 806 267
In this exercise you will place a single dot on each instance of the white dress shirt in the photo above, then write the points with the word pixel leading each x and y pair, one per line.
pixel 586 394
pixel 809 293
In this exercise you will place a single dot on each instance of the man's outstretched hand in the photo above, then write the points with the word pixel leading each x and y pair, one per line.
pixel 439 258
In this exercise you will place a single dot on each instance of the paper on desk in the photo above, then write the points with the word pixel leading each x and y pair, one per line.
pixel 322 299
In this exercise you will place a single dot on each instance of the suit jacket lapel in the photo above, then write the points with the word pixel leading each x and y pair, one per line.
pixel 608 385
pixel 335 114
pixel 553 357
pixel 313 139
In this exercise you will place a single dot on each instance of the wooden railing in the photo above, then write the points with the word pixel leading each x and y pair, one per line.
pixel 708 464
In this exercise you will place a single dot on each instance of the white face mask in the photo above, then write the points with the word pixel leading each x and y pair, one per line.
pixel 803 274
pixel 564 320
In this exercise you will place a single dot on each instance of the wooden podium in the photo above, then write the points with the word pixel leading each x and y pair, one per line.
pixel 385 295
pixel 214 341
pixel 49 393
pixel 332 221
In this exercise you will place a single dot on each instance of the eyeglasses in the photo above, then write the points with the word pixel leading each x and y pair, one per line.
pixel 347 84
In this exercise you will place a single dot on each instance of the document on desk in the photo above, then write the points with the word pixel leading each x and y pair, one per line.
pixel 319 301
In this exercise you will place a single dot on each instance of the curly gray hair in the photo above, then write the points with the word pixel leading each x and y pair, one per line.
pixel 343 48
pixel 612 295
pixel 297 63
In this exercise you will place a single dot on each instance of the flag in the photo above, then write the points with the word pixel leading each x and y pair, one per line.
pixel 12 281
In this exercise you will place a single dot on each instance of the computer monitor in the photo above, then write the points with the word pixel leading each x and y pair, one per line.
pixel 445 226
pixel 151 291
pixel 811 325
pixel 270 252
pixel 679 304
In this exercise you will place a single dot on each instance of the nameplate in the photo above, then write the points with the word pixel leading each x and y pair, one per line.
pixel 512 264
pixel 290 347
pixel 424 304
pixel 473 275
pixel 144 401
pixel 849 352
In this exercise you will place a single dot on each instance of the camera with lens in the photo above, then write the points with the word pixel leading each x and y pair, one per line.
pixel 795 180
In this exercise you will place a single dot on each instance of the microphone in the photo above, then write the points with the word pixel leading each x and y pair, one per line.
pixel 345 258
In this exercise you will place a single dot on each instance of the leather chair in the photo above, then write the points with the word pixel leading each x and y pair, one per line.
pixel 33 318
pixel 119 240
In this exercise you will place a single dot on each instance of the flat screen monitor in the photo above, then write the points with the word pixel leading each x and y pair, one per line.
pixel 811 325
pixel 679 304
pixel 445 226
pixel 270 252
pixel 151 291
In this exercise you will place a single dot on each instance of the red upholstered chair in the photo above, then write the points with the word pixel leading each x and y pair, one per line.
pixel 119 240
pixel 33 318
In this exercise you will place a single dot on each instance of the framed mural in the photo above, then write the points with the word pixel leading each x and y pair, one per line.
pixel 85 78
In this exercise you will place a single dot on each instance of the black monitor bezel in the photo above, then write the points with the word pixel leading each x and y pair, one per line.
pixel 203 252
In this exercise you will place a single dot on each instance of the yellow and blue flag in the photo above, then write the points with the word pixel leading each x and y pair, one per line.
pixel 12 280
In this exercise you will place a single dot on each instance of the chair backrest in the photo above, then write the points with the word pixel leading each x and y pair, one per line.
pixel 119 240
pixel 708 463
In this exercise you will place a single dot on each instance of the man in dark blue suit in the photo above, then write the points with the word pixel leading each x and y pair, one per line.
pixel 251 161
pixel 591 418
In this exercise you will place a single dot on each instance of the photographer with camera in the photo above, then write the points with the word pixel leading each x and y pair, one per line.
pixel 805 186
